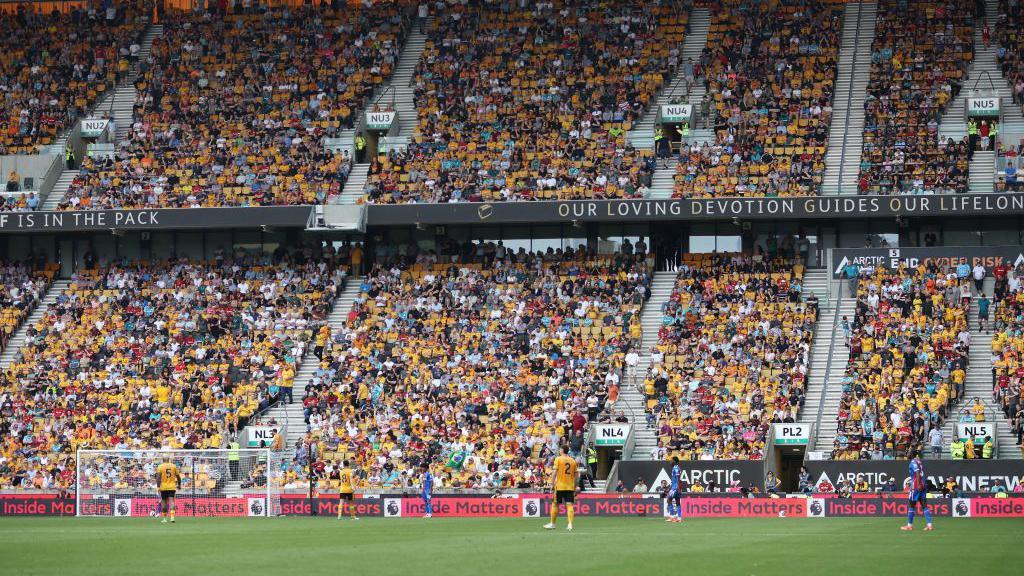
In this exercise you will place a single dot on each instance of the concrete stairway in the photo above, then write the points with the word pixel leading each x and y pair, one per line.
pixel 630 392
pixel 60 189
pixel 824 388
pixel 818 282
pixel 398 93
pixel 353 189
pixel 120 104
pixel 982 172
pixel 600 487
pixel 642 134
pixel 846 134
pixel 19 338
pixel 984 67
pixel 290 415
pixel 663 182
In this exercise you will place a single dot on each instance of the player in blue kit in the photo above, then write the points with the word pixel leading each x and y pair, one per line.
pixel 428 489
pixel 918 494
pixel 675 511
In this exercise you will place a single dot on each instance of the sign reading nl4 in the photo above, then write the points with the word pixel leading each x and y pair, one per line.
pixel 611 434
pixel 792 434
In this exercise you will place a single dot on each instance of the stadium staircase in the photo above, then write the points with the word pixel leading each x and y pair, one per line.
pixel 642 134
pixel 981 175
pixel 663 182
pixel 599 487
pixel 118 104
pixel 824 390
pixel 984 67
pixel 630 392
pixel 353 189
pixel 290 415
pixel 19 337
pixel 979 383
pixel 846 134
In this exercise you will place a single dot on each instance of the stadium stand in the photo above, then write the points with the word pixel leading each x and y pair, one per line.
pixel 21 289
pixel 919 61
pixel 233 110
pixel 525 101
pixel 731 357
pixel 494 357
pixel 908 349
pixel 158 354
pixel 1007 348
pixel 53 67
pixel 770 70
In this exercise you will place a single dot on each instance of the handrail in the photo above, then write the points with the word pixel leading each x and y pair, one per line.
pixel 828 365
pixel 849 100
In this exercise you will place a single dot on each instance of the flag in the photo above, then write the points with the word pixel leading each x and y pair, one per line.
pixel 456 459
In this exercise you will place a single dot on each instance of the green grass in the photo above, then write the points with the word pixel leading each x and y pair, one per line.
pixel 439 546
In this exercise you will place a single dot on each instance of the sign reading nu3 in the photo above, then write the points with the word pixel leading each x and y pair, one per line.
pixel 671 113
pixel 94 127
pixel 983 106
pixel 792 434
pixel 611 434
pixel 380 120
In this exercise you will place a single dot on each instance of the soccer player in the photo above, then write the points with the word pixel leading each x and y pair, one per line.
pixel 345 491
pixel 428 489
pixel 918 494
pixel 168 480
pixel 564 483
pixel 675 511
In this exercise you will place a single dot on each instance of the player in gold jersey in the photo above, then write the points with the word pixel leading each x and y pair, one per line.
pixel 168 479
pixel 346 489
pixel 563 481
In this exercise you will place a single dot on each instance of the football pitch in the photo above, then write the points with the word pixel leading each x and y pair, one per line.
pixel 441 546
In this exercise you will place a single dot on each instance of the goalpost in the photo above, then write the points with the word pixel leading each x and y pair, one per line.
pixel 243 482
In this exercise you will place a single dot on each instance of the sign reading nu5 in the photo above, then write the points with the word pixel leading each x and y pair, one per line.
pixel 380 120
pixel 792 434
pixel 611 434
pixel 983 106
pixel 676 113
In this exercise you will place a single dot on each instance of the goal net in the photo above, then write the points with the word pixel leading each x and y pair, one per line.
pixel 243 482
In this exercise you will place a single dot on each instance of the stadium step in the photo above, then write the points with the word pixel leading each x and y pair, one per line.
pixel 818 281
pixel 846 133
pixel 663 182
pixel 119 105
pixel 642 134
pixel 17 341
pixel 53 198
pixel 290 415
pixel 982 172
pixel 821 405
pixel 599 487
pixel 398 94
pixel 984 69
pixel 645 439
pixel 353 189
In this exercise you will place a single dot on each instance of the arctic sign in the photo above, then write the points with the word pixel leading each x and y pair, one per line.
pixel 943 257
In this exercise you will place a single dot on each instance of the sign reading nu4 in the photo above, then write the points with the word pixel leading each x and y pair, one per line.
pixel 676 113
pixel 792 434
pixel 380 120
pixel 611 434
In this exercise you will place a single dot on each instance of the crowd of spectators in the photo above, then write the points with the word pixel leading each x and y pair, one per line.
pixel 22 286
pixel 169 354
pixel 1008 345
pixel 532 101
pixel 53 67
pixel 233 110
pixel 770 71
pixel 908 350
pixel 919 61
pixel 732 356
pixel 487 359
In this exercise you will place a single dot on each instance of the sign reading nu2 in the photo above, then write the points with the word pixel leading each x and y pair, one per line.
pixel 380 120
pixel 94 127
pixel 983 106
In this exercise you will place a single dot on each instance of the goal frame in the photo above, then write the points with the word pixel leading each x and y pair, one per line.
pixel 267 492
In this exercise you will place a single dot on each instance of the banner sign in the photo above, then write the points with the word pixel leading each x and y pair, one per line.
pixel 792 434
pixel 154 219
pixel 942 256
pixel 720 473
pixel 976 431
pixel 611 434
pixel 887 507
pixel 380 120
pixel 811 207
pixel 676 113
pixel 983 106
pixel 257 434
pixel 94 127
pixel 970 475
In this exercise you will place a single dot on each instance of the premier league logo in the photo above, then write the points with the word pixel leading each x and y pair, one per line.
pixel 392 508
pixel 531 508
pixel 815 508
pixel 961 508
pixel 256 508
